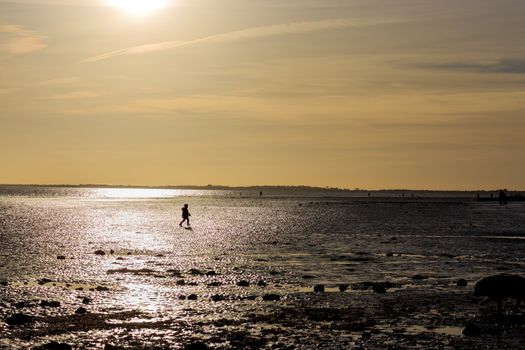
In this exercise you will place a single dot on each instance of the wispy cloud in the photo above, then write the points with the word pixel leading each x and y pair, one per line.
pixel 509 66
pixel 244 34
pixel 73 95
pixel 17 40
pixel 57 81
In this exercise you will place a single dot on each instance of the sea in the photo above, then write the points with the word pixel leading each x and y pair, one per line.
pixel 248 271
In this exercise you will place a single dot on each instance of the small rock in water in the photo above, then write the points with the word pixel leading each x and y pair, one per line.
pixel 61 257
pixel 319 288
pixel 343 287
pixel 419 277
pixel 472 330
pixel 45 303
pixel 100 252
pixel 44 281
pixel 211 273
pixel 307 277
pixel 243 283
pixel 261 283
pixel 271 297
pixel 180 283
pixel 86 301
pixel 462 282
pixel 80 311
pixel 18 319
pixel 217 297
pixel 214 284
pixel 192 297
pixel 101 289
pixel 54 346
pixel 111 251
pixel 196 272
pixel 197 346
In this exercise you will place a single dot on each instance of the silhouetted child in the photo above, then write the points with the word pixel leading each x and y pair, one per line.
pixel 185 215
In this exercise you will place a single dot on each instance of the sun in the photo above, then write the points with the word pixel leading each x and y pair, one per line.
pixel 139 7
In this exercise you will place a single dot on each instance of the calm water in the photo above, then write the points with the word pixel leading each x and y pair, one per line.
pixel 289 241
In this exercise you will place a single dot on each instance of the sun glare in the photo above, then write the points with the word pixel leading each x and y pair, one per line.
pixel 139 7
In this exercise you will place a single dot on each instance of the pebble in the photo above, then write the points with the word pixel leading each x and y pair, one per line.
pixel 100 252
pixel 271 297
pixel 61 257
pixel 319 288
pixel 18 319
pixel 243 283
pixel 192 297
pixel 80 310
pixel 261 283
pixel 196 346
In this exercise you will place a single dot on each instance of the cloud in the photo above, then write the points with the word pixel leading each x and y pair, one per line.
pixel 17 40
pixel 241 35
pixel 74 95
pixel 509 66
pixel 58 81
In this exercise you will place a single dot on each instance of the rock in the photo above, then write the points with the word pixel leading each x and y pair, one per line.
pixel 114 347
pixel 101 289
pixel 21 305
pixel 18 319
pixel 100 252
pixel 111 251
pixel 180 283
pixel 45 303
pixel 211 273
pixel 261 283
pixel 217 297
pixel 319 288
pixel 196 346
pixel 80 311
pixel 61 257
pixel 307 277
pixel 274 272
pixel 271 297
pixel 389 254
pixel 214 284
pixel 366 335
pixel 54 346
pixel 461 282
pixel 182 297
pixel 86 301
pixel 196 272
pixel 343 287
pixel 44 281
pixel 378 288
pixel 471 330
pixel 243 283
pixel 192 297
pixel 419 277
pixel 3 283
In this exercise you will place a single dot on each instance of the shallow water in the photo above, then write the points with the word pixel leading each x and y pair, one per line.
pixel 289 242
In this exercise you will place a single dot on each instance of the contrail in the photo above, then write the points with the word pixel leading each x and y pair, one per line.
pixel 245 34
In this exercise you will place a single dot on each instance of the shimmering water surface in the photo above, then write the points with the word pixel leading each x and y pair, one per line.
pixel 285 242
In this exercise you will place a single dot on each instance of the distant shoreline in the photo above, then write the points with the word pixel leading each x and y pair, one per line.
pixel 297 188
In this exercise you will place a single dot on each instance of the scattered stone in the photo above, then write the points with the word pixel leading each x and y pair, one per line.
pixel 243 283
pixel 472 330
pixel 159 255
pixel 129 253
pixel 81 311
pixel 86 301
pixel 217 297
pixel 180 283
pixel 366 335
pixel 197 346
pixel 182 297
pixel 390 254
pixel 45 303
pixel 196 272
pixel 18 319
pixel 120 258
pixel 111 251
pixel 462 282
pixel 271 297
pixel 21 305
pixel 113 347
pixel 378 288
pixel 214 284
pixel 273 272
pixel 343 287
pixel 261 283
pixel 419 277
pixel 100 252
pixel 3 283
pixel 211 273
pixel 79 288
pixel 54 346
pixel 44 281
pixel 61 257
pixel 251 297
pixel 101 289
pixel 192 297
pixel 319 288
pixel 308 277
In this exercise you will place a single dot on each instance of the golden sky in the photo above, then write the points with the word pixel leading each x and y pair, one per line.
pixel 374 94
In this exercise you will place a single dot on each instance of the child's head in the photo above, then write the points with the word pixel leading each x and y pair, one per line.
pixel 185 205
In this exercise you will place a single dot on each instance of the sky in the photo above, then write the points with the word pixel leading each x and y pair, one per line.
pixel 373 94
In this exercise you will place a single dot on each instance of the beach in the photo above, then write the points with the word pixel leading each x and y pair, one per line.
pixel 112 269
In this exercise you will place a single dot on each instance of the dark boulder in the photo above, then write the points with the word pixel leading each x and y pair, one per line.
pixel 18 319
pixel 271 297
pixel 100 252
pixel 319 288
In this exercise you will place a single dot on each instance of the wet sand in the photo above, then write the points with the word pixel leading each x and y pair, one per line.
pixel 389 270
